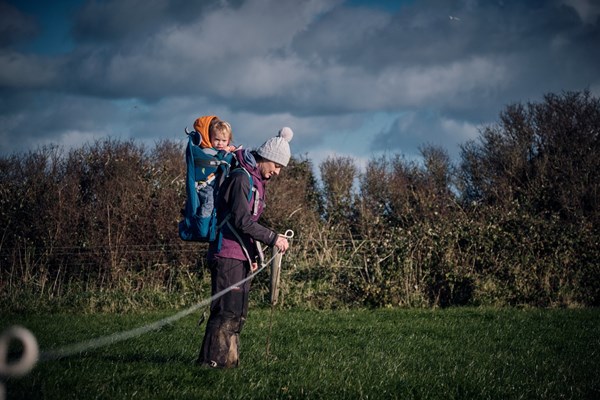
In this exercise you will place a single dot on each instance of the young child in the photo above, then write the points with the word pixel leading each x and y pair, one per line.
pixel 215 140
pixel 221 136
pixel 214 133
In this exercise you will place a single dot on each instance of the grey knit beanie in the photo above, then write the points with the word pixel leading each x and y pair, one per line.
pixel 277 149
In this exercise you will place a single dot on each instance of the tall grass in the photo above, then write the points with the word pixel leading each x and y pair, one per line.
pixel 388 353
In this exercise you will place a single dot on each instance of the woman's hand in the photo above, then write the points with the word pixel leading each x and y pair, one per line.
pixel 282 244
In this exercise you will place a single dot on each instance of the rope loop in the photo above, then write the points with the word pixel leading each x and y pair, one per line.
pixel 27 360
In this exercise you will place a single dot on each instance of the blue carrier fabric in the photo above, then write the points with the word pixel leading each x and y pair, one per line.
pixel 206 168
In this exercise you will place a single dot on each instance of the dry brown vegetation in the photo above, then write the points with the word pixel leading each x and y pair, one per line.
pixel 514 222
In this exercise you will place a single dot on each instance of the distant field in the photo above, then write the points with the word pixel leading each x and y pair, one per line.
pixel 464 353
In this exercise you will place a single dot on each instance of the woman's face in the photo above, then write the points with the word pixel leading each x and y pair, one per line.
pixel 268 169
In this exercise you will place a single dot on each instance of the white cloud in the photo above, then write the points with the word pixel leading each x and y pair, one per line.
pixel 416 85
pixel 73 139
pixel 458 131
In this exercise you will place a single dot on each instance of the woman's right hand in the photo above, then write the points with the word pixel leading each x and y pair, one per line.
pixel 282 244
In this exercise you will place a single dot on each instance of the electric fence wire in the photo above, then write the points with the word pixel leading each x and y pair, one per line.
pixel 129 255
pixel 157 247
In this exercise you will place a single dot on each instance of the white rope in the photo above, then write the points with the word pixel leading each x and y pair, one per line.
pixel 30 356
pixel 120 336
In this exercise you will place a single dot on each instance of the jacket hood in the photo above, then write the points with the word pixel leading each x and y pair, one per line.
pixel 201 126
pixel 246 159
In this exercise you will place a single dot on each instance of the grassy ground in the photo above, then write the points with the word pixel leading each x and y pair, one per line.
pixel 462 353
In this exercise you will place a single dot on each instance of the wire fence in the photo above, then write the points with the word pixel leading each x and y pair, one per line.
pixel 137 255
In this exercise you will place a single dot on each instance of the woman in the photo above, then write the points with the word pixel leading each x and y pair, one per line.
pixel 234 256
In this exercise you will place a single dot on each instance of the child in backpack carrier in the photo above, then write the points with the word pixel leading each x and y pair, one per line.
pixel 219 141
pixel 208 159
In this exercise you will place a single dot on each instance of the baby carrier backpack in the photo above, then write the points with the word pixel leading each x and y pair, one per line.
pixel 206 168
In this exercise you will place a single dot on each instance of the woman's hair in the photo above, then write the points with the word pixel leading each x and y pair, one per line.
pixel 257 157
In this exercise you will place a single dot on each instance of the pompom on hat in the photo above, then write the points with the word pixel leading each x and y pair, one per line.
pixel 277 149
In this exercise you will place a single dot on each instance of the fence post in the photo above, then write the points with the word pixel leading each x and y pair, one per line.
pixel 275 275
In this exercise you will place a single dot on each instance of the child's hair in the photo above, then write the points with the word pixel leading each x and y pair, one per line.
pixel 218 126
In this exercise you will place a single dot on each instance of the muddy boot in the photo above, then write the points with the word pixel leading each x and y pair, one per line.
pixel 220 347
pixel 233 354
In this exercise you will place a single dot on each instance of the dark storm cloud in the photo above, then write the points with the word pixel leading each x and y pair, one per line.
pixel 222 52
pixel 15 26
pixel 120 20
pixel 495 48
pixel 440 68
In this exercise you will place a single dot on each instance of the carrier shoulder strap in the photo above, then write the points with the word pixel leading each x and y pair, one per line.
pixel 228 216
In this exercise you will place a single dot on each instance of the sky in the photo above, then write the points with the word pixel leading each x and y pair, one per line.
pixel 352 78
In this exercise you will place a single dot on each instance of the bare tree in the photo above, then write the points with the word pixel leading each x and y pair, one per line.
pixel 338 175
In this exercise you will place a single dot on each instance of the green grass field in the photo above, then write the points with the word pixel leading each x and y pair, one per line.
pixel 464 353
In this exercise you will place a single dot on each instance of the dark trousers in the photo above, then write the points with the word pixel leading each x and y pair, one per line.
pixel 220 347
